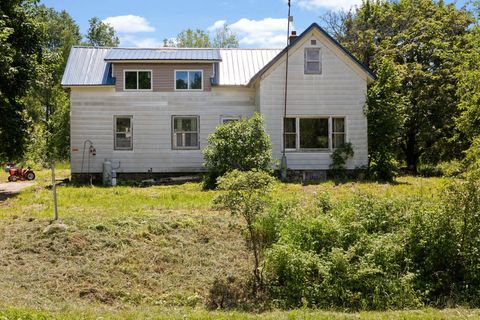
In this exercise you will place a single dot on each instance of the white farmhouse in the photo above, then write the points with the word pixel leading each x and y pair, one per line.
pixel 151 110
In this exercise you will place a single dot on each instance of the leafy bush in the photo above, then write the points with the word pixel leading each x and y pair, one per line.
pixel 339 158
pixel 243 145
pixel 371 252
pixel 247 194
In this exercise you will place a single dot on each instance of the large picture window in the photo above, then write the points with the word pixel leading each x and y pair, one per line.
pixel 185 132
pixel 314 133
pixel 123 138
pixel 313 63
pixel 188 80
pixel 138 80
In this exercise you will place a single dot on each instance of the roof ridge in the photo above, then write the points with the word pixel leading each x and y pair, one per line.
pixel 170 48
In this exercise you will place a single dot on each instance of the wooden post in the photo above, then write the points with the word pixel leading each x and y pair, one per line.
pixel 54 188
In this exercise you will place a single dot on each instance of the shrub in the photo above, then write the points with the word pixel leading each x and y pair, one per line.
pixel 339 158
pixel 247 194
pixel 243 145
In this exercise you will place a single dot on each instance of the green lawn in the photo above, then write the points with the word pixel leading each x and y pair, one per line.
pixel 153 252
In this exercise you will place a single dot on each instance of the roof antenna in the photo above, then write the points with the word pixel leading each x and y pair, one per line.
pixel 283 163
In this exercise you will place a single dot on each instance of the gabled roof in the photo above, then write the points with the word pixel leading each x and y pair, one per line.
pixel 313 26
pixel 86 66
pixel 116 54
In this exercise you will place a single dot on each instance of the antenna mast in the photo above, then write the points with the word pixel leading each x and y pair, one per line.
pixel 283 165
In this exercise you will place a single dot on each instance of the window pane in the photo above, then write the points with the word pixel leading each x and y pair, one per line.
pixel 338 124
pixel 290 141
pixel 178 137
pixel 131 80
pixel 144 80
pixel 290 125
pixel 314 133
pixel 338 139
pixel 313 67
pixel 123 141
pixel 123 125
pixel 191 140
pixel 313 54
pixel 182 80
pixel 195 80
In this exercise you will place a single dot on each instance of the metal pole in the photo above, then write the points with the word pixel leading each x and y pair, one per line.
pixel 54 188
pixel 283 163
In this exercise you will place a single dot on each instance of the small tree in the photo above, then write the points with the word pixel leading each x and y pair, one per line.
pixel 247 194
pixel 243 145
pixel 101 34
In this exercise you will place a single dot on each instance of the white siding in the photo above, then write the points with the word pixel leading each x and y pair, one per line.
pixel 339 91
pixel 93 109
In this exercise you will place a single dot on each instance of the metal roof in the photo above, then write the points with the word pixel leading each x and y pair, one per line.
pixel 238 66
pixel 162 54
pixel 86 66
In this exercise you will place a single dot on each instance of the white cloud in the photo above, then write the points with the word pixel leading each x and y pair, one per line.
pixel 327 4
pixel 139 42
pixel 217 25
pixel 129 24
pixel 265 33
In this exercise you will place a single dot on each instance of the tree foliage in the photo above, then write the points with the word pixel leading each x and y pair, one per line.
pixel 225 38
pixel 198 38
pixel 423 39
pixel 101 34
pixel 20 53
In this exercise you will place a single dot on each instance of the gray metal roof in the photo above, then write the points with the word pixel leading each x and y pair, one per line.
pixel 238 66
pixel 86 66
pixel 90 66
pixel 162 54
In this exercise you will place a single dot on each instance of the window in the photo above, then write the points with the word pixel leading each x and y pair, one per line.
pixel 185 132
pixel 314 133
pixel 229 119
pixel 123 139
pixel 338 132
pixel 138 80
pixel 290 125
pixel 189 80
pixel 312 61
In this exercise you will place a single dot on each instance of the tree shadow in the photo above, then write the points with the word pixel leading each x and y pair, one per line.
pixel 4 195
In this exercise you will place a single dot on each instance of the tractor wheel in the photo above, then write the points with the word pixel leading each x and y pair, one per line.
pixel 30 175
pixel 12 178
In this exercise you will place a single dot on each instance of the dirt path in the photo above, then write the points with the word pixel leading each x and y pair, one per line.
pixel 9 189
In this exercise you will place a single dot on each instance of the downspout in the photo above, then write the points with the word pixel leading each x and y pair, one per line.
pixel 283 163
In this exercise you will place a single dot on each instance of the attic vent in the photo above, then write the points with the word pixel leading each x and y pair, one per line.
pixel 313 42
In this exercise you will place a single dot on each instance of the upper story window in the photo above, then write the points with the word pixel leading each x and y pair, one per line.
pixel 189 80
pixel 138 80
pixel 123 138
pixel 313 63
pixel 314 133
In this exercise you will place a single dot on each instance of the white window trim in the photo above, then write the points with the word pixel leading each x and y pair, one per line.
pixel 174 137
pixel 319 61
pixel 297 118
pixel 115 117
pixel 188 81
pixel 137 70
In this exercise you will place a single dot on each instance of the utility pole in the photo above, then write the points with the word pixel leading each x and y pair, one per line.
pixel 54 189
pixel 283 163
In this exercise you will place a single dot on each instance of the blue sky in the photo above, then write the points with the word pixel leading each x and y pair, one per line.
pixel 258 23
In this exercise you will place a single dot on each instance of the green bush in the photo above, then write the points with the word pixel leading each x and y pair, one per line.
pixel 374 253
pixel 243 145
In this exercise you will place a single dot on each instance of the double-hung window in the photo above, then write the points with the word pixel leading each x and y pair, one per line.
pixel 123 138
pixel 185 133
pixel 138 80
pixel 313 133
pixel 313 63
pixel 189 80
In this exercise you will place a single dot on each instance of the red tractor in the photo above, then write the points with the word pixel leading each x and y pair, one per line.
pixel 19 173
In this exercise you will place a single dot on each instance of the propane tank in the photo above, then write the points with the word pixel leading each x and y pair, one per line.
pixel 114 178
pixel 107 173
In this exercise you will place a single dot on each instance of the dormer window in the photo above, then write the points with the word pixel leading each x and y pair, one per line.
pixel 137 80
pixel 313 64
pixel 188 80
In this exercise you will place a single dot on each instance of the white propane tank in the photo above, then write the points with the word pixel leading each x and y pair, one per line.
pixel 114 178
pixel 107 173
